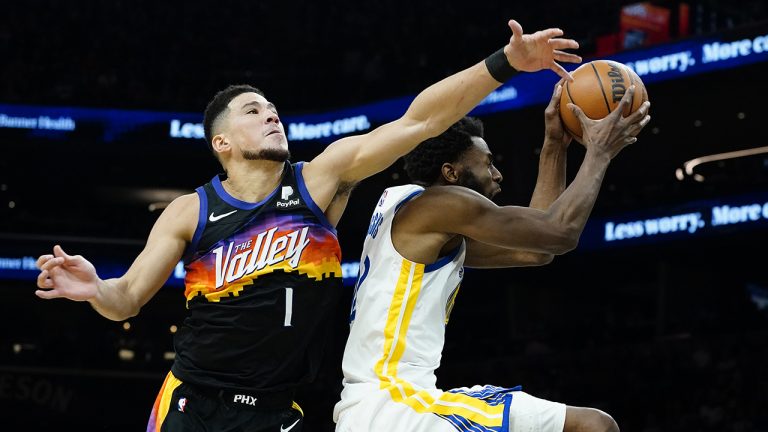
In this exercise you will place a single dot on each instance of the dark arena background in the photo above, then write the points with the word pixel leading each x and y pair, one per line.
pixel 659 317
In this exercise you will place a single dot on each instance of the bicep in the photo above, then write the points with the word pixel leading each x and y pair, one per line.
pixel 165 246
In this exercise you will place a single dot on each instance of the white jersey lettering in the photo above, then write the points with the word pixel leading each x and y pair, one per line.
pixel 266 251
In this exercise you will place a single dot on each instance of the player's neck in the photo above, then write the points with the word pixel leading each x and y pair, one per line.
pixel 252 181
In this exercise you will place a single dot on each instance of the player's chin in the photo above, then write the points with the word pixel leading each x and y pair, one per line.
pixel 494 192
pixel 280 140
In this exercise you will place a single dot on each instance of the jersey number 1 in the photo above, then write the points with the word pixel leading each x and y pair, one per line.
pixel 288 307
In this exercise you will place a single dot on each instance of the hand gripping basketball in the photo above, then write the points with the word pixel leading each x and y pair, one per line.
pixel 614 132
pixel 597 88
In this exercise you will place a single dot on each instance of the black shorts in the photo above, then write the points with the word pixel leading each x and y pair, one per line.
pixel 186 407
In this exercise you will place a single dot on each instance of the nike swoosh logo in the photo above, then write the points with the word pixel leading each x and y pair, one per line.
pixel 289 427
pixel 213 218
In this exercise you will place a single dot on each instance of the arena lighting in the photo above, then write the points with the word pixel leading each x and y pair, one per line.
pixel 157 206
pixel 688 166
pixel 156 196
pixel 18 347
pixel 126 354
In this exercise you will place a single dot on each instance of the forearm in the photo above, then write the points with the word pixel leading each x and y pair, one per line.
pixel 550 182
pixel 112 300
pixel 446 102
pixel 482 255
pixel 572 209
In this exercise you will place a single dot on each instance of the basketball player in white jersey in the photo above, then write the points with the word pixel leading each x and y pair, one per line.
pixel 420 237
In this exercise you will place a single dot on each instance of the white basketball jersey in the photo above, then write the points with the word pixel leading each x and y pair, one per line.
pixel 399 312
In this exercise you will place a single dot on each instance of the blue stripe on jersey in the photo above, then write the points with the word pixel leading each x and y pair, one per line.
pixel 360 280
pixel 444 260
pixel 406 199
pixel 234 202
pixel 308 198
pixel 507 403
pixel 462 424
pixel 202 219
pixel 491 395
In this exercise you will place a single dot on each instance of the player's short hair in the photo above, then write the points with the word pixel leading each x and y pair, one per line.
pixel 424 163
pixel 219 105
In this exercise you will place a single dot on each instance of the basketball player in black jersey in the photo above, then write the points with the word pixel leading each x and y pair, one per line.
pixel 260 248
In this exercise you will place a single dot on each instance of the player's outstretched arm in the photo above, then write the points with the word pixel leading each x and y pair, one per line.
pixel 352 159
pixel 75 278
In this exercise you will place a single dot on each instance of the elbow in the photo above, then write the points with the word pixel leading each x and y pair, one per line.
pixel 122 315
pixel 131 313
pixel 544 259
pixel 566 241
pixel 429 127
pixel 535 260
pixel 132 310
pixel 570 245
pixel 125 309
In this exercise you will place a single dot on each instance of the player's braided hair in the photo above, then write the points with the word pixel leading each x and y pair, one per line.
pixel 218 105
pixel 423 164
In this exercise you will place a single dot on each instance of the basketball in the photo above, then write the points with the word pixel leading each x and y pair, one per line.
pixel 597 89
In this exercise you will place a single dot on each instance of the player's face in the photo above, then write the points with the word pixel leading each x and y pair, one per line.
pixel 478 172
pixel 255 130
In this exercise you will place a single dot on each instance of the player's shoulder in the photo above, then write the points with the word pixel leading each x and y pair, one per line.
pixel 450 195
pixel 183 207
pixel 181 216
pixel 443 203
pixel 186 202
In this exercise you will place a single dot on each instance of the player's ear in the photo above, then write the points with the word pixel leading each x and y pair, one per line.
pixel 220 143
pixel 449 173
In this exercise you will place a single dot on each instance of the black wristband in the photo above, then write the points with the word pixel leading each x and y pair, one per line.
pixel 499 66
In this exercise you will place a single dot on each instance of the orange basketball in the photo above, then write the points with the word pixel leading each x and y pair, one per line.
pixel 597 88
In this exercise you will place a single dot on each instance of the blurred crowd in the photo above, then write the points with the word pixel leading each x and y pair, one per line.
pixel 173 55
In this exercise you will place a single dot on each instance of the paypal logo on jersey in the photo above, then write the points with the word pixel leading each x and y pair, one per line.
pixel 286 192
pixel 285 195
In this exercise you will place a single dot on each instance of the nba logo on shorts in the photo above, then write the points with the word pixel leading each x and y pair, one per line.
pixel 182 404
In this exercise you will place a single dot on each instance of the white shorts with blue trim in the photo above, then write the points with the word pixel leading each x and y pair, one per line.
pixel 478 409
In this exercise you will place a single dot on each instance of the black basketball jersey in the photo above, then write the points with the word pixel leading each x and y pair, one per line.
pixel 262 279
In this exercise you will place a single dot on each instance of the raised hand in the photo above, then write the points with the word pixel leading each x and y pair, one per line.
pixel 541 50
pixel 554 131
pixel 66 276
pixel 614 132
